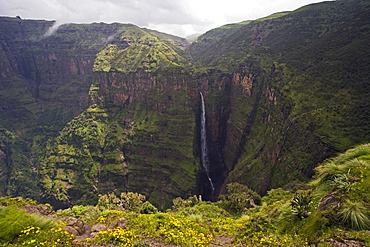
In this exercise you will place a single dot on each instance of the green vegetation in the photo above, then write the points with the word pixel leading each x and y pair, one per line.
pixel 299 87
pixel 98 108
pixel 144 52
pixel 15 222
pixel 323 215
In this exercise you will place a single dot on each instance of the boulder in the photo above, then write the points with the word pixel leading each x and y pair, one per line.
pixel 33 209
pixel 97 228
pixel 121 222
pixel 74 223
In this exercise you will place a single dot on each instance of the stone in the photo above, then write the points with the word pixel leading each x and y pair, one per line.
pixel 33 209
pixel 98 228
pixel 71 230
pixel 75 223
pixel 121 222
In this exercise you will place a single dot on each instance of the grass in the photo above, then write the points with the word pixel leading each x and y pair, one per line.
pixel 355 215
pixel 13 221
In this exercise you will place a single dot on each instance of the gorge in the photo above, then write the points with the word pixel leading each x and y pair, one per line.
pixel 96 108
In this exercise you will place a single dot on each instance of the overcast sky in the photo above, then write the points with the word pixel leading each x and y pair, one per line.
pixel 178 17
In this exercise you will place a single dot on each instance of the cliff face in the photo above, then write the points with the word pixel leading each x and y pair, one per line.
pixel 98 108
pixel 44 84
pixel 137 134
pixel 292 91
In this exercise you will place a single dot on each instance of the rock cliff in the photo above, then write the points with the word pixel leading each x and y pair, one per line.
pixel 97 108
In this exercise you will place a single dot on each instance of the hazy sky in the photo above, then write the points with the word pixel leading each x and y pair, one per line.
pixel 179 17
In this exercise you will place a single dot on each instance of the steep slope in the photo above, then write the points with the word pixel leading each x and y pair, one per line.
pixel 137 134
pixel 46 73
pixel 42 88
pixel 98 108
pixel 305 87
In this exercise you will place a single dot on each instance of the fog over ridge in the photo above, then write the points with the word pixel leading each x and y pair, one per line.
pixel 181 18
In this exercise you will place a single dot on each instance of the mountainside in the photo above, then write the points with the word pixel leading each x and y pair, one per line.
pixel 306 74
pixel 96 108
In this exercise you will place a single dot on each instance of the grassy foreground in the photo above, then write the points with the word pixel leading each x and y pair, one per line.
pixel 332 209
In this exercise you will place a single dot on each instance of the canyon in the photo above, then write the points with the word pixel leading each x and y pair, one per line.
pixel 96 108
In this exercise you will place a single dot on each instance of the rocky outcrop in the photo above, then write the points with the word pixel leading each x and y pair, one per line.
pixel 44 84
pixel 73 225
pixel 282 94
pixel 343 243
pixel 140 133
pixel 36 209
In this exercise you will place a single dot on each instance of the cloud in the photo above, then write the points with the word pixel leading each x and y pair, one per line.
pixel 53 29
pixel 179 17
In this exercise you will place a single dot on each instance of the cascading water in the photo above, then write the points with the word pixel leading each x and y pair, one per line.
pixel 203 141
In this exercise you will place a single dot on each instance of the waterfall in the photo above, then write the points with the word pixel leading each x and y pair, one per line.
pixel 203 141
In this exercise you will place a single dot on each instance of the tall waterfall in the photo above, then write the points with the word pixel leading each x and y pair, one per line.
pixel 203 141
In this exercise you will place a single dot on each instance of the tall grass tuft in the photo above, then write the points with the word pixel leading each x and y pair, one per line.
pixel 342 164
pixel 330 171
pixel 355 215
pixel 14 220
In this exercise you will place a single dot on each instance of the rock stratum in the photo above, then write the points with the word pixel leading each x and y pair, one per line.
pixel 95 108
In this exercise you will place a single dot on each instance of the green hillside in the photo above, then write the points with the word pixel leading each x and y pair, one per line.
pixel 306 74
pixel 333 210
pixel 100 108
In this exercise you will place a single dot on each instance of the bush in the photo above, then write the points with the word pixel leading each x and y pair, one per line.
pixel 239 197
pixel 148 208
pixel 205 210
pixel 179 203
pixel 169 228
pixel 18 201
pixel 128 200
pixel 109 202
pixel 85 213
pixel 132 201
pixel 110 217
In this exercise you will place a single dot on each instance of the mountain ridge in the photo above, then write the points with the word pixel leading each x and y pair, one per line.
pixel 280 93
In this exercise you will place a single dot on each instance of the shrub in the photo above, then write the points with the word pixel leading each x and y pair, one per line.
pixel 148 208
pixel 276 195
pixel 205 210
pixel 85 213
pixel 110 217
pixel 175 229
pixel 179 203
pixel 109 202
pixel 183 232
pixel 132 201
pixel 18 201
pixel 127 200
pixel 239 197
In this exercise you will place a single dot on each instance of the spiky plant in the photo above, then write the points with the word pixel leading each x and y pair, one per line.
pixel 300 204
pixel 342 182
pixel 354 215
